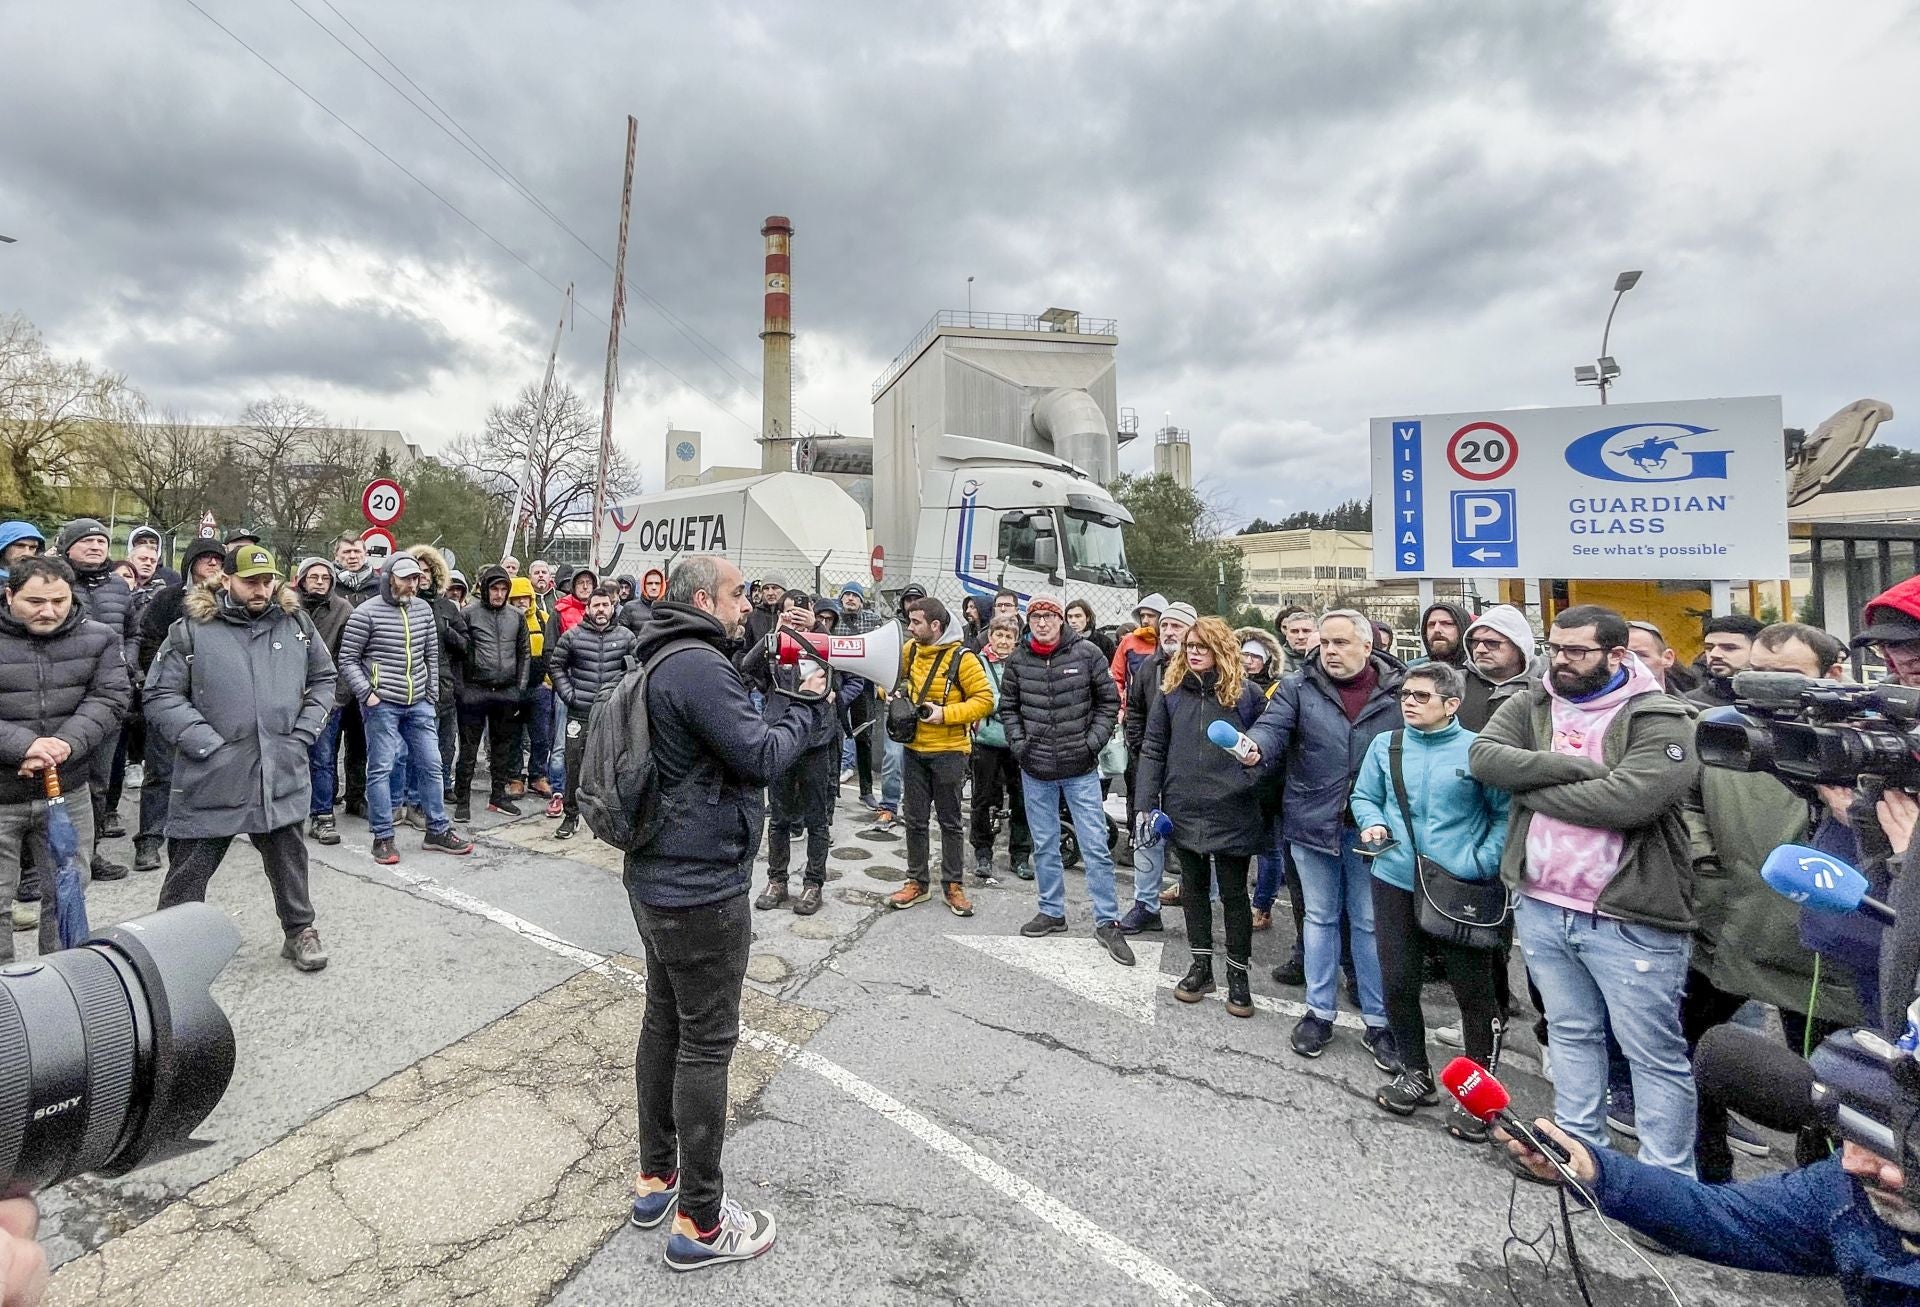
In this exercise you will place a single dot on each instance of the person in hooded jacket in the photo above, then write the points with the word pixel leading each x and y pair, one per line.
pixel 1443 634
pixel 203 565
pixel 18 540
pixel 995 772
pixel 587 663
pixel 1500 663
pixel 572 606
pixel 636 610
pixel 328 610
pixel 498 658
pixel 1212 801
pixel 457 588
pixel 85 544
pixel 532 757
pixel 1137 645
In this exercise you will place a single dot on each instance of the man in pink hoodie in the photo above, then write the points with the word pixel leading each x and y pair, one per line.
pixel 1599 761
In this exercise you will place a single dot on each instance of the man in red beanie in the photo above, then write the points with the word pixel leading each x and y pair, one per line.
pixel 1890 623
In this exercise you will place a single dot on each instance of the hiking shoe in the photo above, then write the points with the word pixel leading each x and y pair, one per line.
pixel 911 894
pixel 1466 1127
pixel 1108 933
pixel 541 786
pixel 1197 983
pixel 105 868
pixel 1023 868
pixel 1291 972
pixel 463 810
pixel 1139 917
pixel 557 806
pixel 1042 924
pixel 26 916
pixel 739 1236
pixel 1620 1112
pixel 1742 1138
pixel 305 951
pixel 385 852
pixel 502 803
pixel 322 829
pixel 957 901
pixel 1312 1035
pixel 450 840
pixel 1450 1036
pixel 653 1199
pixel 1385 1049
pixel 1408 1093
pixel 146 853
pixel 775 895
pixel 568 825
pixel 413 815
pixel 809 901
pixel 1239 990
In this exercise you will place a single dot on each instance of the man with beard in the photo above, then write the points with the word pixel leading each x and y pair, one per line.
pixel 204 564
pixel 240 690
pixel 1600 764
pixel 1728 647
pixel 108 600
pixel 357 580
pixel 328 610
pixel 766 614
pixel 1443 630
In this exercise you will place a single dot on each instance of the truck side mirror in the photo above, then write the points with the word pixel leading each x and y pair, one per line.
pixel 1046 554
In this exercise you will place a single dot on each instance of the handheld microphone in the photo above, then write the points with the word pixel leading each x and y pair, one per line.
pixel 1764 1081
pixel 1822 882
pixel 1486 1099
pixel 1233 741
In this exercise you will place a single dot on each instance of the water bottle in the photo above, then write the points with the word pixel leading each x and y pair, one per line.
pixel 1236 742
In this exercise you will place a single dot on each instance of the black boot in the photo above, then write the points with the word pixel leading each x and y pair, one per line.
pixel 1239 989
pixel 1198 982
pixel 775 895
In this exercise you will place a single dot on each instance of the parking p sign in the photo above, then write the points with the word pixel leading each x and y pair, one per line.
pixel 1483 529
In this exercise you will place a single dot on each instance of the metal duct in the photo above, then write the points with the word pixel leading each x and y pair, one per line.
pixel 1077 427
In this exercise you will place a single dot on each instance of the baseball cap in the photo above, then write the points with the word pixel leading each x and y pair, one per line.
pixel 406 565
pixel 249 560
pixel 912 591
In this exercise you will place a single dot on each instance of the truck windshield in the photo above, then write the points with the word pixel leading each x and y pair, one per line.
pixel 1095 550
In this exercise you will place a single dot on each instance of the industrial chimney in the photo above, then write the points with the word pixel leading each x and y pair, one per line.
pixel 776 336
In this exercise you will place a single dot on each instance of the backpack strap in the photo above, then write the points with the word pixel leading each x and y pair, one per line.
pixel 1394 765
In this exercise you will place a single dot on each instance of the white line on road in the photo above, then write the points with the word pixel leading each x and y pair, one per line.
pixel 1168 1285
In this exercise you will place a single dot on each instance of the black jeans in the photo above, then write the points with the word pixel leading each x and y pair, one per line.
pixel 696 963
pixel 801 798
pixel 192 862
pixel 1703 1006
pixel 859 714
pixel 156 790
pixel 495 720
pixel 576 749
pixel 351 791
pixel 1403 947
pixel 933 780
pixel 1197 874
pixel 449 723
pixel 994 770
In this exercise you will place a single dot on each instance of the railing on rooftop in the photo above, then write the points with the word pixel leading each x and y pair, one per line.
pixel 1079 324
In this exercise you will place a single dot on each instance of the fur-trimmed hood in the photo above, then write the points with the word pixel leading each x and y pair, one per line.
pixel 434 563
pixel 201 603
pixel 1265 639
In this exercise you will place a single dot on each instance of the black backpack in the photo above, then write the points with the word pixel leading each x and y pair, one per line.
pixel 617 788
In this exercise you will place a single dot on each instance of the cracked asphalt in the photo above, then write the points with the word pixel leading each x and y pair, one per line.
pixel 445 1115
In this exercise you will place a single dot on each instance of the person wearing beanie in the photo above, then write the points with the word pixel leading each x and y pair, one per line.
pixel 203 565
pixel 18 540
pixel 108 600
pixel 328 610
pixel 857 616
pixel 144 550
pixel 1500 663
pixel 766 613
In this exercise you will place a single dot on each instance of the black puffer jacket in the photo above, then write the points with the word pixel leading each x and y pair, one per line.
pixel 714 755
pixel 497 651
pixel 1058 708
pixel 73 684
pixel 329 614
pixel 589 661
pixel 1214 802
pixel 446 618
pixel 635 614
pixel 159 616
pixel 109 601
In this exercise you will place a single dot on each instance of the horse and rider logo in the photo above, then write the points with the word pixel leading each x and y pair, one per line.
pixel 1647 451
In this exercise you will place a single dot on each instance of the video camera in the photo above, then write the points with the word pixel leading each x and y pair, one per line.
pixel 1816 732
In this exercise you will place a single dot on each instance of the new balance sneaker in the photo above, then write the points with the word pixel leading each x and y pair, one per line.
pixel 1139 918
pixel 653 1199
pixel 1312 1035
pixel 1408 1093
pixel 738 1236
pixel 1386 1051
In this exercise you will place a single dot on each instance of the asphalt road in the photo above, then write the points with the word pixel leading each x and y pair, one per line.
pixel 936 1110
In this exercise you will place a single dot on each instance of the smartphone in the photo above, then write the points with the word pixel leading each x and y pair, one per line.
pixel 1374 848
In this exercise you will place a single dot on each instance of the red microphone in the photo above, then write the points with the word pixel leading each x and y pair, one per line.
pixel 1486 1099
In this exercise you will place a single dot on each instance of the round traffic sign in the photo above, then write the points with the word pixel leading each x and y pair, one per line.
pixel 1482 451
pixel 382 502
pixel 378 540
pixel 878 563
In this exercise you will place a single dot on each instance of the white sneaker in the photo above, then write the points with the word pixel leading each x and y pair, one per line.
pixel 740 1236
pixel 136 776
pixel 1450 1036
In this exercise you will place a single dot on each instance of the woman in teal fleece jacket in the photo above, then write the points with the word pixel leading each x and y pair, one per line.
pixel 1462 825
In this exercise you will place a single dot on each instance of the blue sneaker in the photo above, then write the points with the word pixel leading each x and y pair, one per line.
pixel 740 1236
pixel 653 1199
pixel 1139 918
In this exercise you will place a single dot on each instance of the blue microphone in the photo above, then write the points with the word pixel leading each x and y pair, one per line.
pixel 1230 738
pixel 1822 882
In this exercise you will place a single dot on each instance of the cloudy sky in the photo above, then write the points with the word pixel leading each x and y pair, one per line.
pixel 1302 214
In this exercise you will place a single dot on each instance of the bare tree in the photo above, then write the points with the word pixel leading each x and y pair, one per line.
pixel 164 463
pixel 565 444
pixel 53 413
pixel 299 468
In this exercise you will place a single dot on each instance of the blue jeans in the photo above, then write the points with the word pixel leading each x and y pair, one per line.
pixel 1272 865
pixel 389 727
pixel 1327 882
pixel 1149 873
pixel 557 756
pixel 320 762
pixel 1082 794
pixel 1594 971
pixel 892 772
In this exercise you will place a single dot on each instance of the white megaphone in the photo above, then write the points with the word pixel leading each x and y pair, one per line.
pixel 874 656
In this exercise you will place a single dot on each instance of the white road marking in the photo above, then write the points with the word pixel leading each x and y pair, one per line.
pixel 1165 1283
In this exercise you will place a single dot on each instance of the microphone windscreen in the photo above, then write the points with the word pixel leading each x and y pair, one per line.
pixel 1474 1088
pixel 1744 1070
pixel 1223 734
pixel 1813 879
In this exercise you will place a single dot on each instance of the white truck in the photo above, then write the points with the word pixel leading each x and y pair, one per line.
pixel 807 529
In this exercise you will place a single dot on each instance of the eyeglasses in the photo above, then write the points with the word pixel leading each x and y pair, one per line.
pixel 1486 641
pixel 1420 696
pixel 1573 653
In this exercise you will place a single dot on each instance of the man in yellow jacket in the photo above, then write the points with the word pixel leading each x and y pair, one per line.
pixel 950 691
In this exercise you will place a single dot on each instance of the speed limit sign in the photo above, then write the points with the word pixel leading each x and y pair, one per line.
pixel 382 502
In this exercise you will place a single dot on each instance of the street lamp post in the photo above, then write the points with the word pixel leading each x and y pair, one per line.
pixel 969 301
pixel 1603 371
